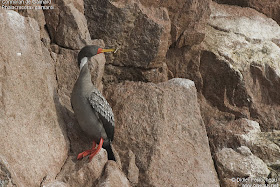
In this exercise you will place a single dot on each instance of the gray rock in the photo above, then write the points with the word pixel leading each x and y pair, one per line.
pixel 142 33
pixel 161 124
pixel 33 145
pixel 113 176
pixel 67 25
pixel 239 67
pixel 83 172
pixel 233 165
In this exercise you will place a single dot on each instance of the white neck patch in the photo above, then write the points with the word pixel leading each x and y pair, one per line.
pixel 83 62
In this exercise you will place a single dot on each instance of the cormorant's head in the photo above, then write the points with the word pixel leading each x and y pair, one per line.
pixel 89 51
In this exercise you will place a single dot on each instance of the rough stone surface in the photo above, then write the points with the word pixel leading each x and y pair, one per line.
pixel 271 8
pixel 83 173
pixel 117 74
pixel 121 23
pixel 142 50
pixel 231 55
pixel 132 171
pixel 39 16
pixel 161 124
pixel 267 147
pixel 232 134
pixel 32 143
pixel 5 175
pixel 67 25
pixel 113 177
pixel 188 19
pixel 185 62
pixel 245 137
pixel 56 184
pixel 231 164
pixel 240 65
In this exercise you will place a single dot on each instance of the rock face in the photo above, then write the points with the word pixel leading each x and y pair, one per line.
pixel 230 53
pixel 236 165
pixel 236 72
pixel 242 150
pixel 162 126
pixel 236 66
pixel 270 7
pixel 142 49
pixel 83 173
pixel 119 23
pixel 241 75
pixel 188 19
pixel 67 25
pixel 33 147
pixel 113 177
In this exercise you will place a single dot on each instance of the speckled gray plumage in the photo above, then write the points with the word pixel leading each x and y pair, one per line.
pixel 104 111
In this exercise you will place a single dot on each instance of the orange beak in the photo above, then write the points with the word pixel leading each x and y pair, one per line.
pixel 100 50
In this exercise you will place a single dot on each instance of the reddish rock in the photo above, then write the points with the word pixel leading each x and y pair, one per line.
pixel 120 24
pixel 33 146
pixel 233 165
pixel 56 184
pixel 132 170
pixel 113 177
pixel 239 65
pixel 141 56
pixel 188 19
pixel 245 137
pixel 67 25
pixel 39 16
pixel 161 124
pixel 83 173
pixel 232 134
pixel 271 8
pixel 227 69
pixel 184 62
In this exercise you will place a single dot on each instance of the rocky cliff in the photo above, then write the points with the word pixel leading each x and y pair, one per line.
pixel 194 88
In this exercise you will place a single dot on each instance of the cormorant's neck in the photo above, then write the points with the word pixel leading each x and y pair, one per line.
pixel 85 75
pixel 83 62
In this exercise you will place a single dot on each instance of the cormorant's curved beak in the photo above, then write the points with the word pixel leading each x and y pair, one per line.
pixel 100 50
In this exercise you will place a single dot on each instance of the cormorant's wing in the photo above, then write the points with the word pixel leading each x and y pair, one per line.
pixel 104 111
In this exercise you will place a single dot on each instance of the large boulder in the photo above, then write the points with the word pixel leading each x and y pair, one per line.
pixel 141 33
pixel 83 173
pixel 241 150
pixel 121 24
pixel 234 167
pixel 239 64
pixel 236 66
pixel 67 25
pixel 159 129
pixel 188 19
pixel 33 145
pixel 113 177
pixel 271 8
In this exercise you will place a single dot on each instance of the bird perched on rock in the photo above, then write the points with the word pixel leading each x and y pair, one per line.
pixel 91 109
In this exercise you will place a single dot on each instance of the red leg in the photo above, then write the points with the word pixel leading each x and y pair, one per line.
pixel 87 152
pixel 83 154
pixel 93 145
pixel 97 149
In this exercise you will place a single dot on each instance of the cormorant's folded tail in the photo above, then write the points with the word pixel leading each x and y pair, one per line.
pixel 110 152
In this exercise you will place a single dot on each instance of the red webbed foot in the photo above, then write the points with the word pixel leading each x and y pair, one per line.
pixel 97 149
pixel 87 152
